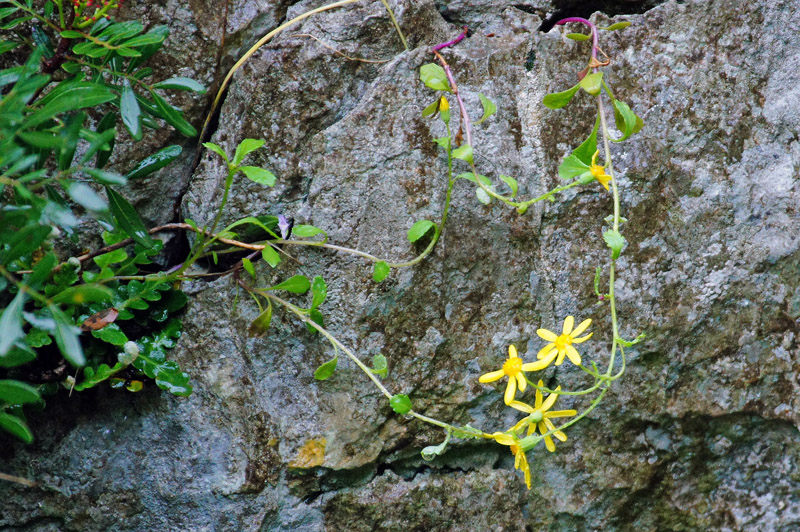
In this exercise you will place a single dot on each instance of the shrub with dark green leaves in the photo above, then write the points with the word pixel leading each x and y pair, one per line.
pixel 75 322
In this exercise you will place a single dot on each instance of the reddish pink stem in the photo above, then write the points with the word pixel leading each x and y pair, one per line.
pixel 453 42
pixel 591 26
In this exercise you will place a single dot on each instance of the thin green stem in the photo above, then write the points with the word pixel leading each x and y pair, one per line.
pixel 35 15
pixel 612 268
pixel 396 25
pixel 530 442
pixel 339 345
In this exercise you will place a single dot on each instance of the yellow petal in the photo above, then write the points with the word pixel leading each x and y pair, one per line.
pixel 548 424
pixel 526 468
pixel 541 364
pixel 521 383
pixel 547 335
pixel 543 352
pixel 492 376
pixel 580 328
pixel 542 427
pixel 548 441
pixel 519 405
pixel 559 413
pixel 548 404
pixel 568 323
pixel 503 438
pixel 560 358
pixel 560 435
pixel 538 400
pixel 581 339
pixel 519 425
pixel 512 352
pixel 573 355
pixel 511 390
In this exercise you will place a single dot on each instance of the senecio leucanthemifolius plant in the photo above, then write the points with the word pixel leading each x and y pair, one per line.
pixel 47 300
pixel 539 419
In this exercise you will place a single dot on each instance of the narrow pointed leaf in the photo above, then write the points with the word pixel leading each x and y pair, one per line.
pixel 66 336
pixel 128 219
pixel 131 113
pixel 155 162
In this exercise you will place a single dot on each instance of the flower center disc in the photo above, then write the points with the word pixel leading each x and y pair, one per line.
pixel 512 366
pixel 563 341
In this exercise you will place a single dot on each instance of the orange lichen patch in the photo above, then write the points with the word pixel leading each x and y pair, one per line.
pixel 312 454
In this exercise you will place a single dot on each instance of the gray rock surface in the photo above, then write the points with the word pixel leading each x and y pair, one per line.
pixel 700 434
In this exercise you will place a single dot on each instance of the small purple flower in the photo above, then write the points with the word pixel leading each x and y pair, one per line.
pixel 284 225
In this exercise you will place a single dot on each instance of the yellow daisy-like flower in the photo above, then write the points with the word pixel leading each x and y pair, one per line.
pixel 599 172
pixel 513 368
pixel 561 345
pixel 540 416
pixel 520 460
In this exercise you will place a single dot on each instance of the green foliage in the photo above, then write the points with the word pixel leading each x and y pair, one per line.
pixel 400 403
pixel 326 370
pixel 52 160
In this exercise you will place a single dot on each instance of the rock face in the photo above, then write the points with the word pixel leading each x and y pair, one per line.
pixel 700 434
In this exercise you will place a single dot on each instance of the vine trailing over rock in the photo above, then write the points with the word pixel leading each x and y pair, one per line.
pixel 103 313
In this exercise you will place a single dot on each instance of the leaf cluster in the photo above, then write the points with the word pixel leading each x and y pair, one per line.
pixel 59 116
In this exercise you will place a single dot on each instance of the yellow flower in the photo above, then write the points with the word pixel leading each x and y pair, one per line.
pixel 444 105
pixel 599 172
pixel 520 460
pixel 513 368
pixel 540 415
pixel 562 344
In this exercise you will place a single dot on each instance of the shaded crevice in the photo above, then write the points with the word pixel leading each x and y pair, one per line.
pixel 580 8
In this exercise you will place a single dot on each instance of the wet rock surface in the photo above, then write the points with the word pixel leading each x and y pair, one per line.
pixel 700 434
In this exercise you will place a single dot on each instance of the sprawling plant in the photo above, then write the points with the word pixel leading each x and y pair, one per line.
pixel 75 322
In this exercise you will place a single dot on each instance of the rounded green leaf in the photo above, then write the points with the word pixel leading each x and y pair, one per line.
pixel 319 291
pixel 260 325
pixel 326 370
pixel 434 77
pixel 463 152
pixel 15 426
pixel 400 403
pixel 592 83
pixel 259 175
pixel 557 100
pixel 248 267
pixel 489 108
pixel 380 271
pixel 271 256
pixel 379 365
pixel 306 231
pixel 419 229
pixel 297 284
pixel 17 393
pixel 245 147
